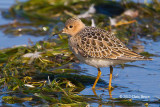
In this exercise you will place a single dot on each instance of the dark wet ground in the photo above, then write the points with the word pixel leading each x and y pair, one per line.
pixel 137 80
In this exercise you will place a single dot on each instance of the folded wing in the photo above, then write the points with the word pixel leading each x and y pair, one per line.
pixel 98 43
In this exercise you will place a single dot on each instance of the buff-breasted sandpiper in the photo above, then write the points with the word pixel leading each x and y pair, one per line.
pixel 97 47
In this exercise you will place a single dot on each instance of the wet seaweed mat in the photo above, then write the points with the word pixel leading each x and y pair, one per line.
pixel 46 73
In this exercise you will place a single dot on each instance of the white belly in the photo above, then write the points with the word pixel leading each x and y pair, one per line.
pixel 98 62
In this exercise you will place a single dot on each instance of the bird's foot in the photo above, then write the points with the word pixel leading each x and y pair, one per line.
pixel 110 88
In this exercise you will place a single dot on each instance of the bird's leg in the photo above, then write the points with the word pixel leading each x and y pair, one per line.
pixel 98 75
pixel 110 92
pixel 110 78
pixel 94 91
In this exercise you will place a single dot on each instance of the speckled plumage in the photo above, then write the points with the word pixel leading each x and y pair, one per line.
pixel 92 42
pixel 97 43
pixel 97 47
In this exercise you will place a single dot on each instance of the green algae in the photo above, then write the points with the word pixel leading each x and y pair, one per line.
pixel 47 14
pixel 49 77
pixel 33 75
pixel 14 99
pixel 147 54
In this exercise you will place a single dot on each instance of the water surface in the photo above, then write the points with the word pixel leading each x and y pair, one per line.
pixel 10 40
pixel 137 80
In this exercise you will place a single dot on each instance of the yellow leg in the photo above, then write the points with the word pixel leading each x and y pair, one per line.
pixel 110 78
pixel 99 74
pixel 110 93
pixel 94 91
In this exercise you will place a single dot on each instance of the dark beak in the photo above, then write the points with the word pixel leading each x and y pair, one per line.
pixel 52 34
pixel 57 33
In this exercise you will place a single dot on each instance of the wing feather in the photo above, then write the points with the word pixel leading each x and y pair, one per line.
pixel 98 43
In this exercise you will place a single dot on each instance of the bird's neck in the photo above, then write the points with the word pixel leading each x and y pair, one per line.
pixel 78 29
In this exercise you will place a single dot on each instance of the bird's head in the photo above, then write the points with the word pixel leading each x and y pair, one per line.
pixel 73 26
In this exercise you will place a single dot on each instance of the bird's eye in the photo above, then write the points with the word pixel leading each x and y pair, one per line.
pixel 70 26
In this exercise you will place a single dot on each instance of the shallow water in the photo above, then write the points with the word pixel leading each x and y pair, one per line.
pixel 10 40
pixel 137 80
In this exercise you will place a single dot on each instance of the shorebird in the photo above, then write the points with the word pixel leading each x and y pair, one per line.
pixel 97 47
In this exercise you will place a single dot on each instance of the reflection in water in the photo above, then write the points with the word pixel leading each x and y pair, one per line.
pixel 136 79
pixel 109 91
pixel 139 78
